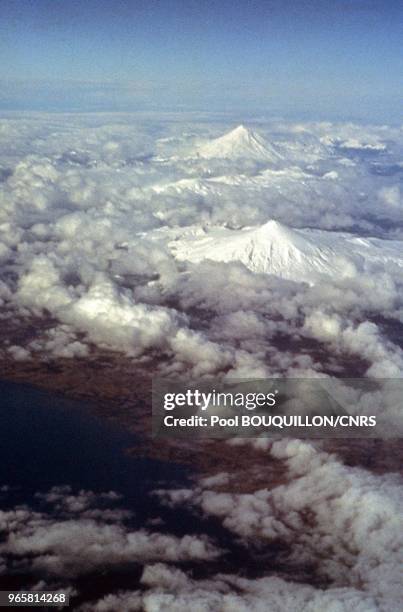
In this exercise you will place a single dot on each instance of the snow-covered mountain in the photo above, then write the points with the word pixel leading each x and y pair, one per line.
pixel 240 143
pixel 296 254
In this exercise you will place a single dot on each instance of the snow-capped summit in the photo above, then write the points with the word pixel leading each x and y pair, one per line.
pixel 296 254
pixel 240 143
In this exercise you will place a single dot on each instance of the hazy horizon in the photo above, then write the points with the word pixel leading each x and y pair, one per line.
pixel 308 60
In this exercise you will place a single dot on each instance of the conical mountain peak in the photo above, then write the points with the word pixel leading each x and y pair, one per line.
pixel 239 143
pixel 296 254
pixel 239 131
pixel 273 227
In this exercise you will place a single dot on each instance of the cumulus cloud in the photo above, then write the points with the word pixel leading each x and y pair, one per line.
pixel 172 589
pixel 93 211
pixel 79 533
pixel 344 523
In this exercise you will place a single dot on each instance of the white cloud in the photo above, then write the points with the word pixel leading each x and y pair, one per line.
pixel 344 522
pixel 82 200
pixel 81 533
pixel 391 196
pixel 172 590
pixel 92 209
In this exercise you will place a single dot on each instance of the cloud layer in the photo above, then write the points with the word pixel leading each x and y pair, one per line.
pixel 92 210
pixel 88 204
pixel 343 523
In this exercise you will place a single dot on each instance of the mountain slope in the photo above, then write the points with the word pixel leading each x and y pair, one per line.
pixel 295 254
pixel 240 143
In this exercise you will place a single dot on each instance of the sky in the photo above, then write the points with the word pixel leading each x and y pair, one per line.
pixel 314 59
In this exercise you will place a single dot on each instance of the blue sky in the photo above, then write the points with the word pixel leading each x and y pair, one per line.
pixel 313 59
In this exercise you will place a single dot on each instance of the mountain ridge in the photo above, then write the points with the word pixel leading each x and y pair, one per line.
pixel 295 254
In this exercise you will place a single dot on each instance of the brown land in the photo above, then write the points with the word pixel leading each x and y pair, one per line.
pixel 117 388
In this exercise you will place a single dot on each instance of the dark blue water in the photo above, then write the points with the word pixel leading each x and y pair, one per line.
pixel 46 441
